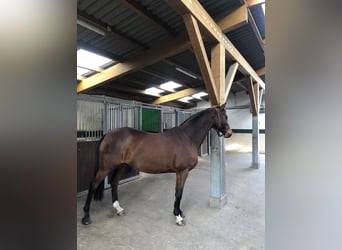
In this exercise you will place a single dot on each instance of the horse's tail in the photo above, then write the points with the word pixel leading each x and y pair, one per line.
pixel 98 194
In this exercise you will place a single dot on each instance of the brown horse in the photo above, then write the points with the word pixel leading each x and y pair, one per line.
pixel 175 150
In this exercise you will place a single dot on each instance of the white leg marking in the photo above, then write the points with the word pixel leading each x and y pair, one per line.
pixel 180 221
pixel 119 210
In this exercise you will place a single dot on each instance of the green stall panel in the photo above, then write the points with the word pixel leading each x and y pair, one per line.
pixel 151 119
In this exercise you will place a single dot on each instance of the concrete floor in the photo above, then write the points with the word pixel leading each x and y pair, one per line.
pixel 148 222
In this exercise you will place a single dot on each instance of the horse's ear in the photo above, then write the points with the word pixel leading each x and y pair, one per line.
pixel 222 107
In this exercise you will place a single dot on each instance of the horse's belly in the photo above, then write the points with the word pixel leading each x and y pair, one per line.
pixel 163 162
pixel 152 164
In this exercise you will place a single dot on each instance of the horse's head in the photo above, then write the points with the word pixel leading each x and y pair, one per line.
pixel 220 121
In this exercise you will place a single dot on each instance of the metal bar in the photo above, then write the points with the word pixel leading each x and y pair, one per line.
pixel 255 142
pixel 218 196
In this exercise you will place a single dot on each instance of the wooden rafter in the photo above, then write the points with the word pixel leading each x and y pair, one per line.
pixel 253 89
pixel 195 8
pixel 230 78
pixel 234 20
pixel 151 56
pixel 177 95
pixel 218 69
pixel 201 56
pixel 180 43
pixel 80 77
pixel 253 2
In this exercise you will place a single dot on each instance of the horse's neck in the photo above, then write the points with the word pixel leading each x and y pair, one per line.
pixel 198 128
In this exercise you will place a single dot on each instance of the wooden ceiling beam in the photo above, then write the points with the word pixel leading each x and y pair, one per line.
pixel 253 2
pixel 80 77
pixel 151 56
pixel 218 67
pixel 253 90
pixel 193 7
pixel 201 56
pixel 177 95
pixel 181 93
pixel 261 71
pixel 230 78
pixel 234 20
pixel 171 48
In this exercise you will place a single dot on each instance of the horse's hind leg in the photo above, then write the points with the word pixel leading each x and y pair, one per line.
pixel 114 182
pixel 97 187
pixel 86 219
pixel 181 178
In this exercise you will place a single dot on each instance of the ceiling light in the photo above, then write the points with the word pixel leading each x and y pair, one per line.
pixel 91 27
pixel 199 95
pixel 185 99
pixel 82 71
pixel 170 86
pixel 153 91
pixel 89 60
pixel 186 73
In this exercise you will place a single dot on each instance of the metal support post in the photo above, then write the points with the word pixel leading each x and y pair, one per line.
pixel 218 196
pixel 255 142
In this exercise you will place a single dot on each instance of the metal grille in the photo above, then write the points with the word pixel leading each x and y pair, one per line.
pixel 114 116
pixel 182 116
pixel 169 119
pixel 130 117
pixel 89 119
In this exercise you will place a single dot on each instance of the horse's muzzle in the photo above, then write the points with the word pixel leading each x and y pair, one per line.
pixel 228 133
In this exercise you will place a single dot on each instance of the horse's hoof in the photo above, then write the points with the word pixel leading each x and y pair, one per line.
pixel 86 221
pixel 119 213
pixel 181 223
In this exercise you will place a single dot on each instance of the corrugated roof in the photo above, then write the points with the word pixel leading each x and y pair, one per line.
pixel 259 18
pixel 245 40
pixel 133 33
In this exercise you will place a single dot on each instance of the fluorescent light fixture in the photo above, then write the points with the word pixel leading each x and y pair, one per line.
pixel 91 27
pixel 199 95
pixel 89 60
pixel 263 7
pixel 153 91
pixel 170 86
pixel 185 99
pixel 186 73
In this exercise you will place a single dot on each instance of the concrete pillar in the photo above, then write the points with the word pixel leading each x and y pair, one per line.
pixel 218 196
pixel 255 142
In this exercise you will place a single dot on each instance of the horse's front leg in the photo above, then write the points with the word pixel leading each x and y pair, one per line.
pixel 180 181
